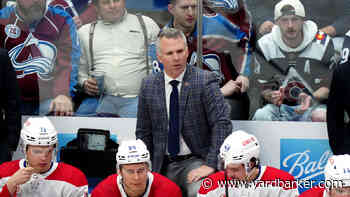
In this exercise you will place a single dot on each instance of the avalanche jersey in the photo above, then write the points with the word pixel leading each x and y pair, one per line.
pixel 305 68
pixel 82 8
pixel 219 32
pixel 73 7
pixel 158 186
pixel 78 5
pixel 44 54
pixel 60 181
pixel 315 192
pixel 65 5
pixel 271 182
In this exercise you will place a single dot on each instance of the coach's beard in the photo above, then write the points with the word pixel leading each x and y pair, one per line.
pixel 32 14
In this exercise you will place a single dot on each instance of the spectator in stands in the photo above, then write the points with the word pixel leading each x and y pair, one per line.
pixel 295 69
pixel 182 116
pixel 44 51
pixel 332 17
pixel 117 49
pixel 338 104
pixel 86 12
pixel 229 30
pixel 38 174
pixel 10 120
pixel 239 156
pixel 337 179
pixel 87 15
pixel 134 176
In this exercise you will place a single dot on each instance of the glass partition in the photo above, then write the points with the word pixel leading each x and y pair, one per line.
pixel 273 62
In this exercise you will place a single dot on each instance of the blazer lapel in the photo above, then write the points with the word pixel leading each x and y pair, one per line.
pixel 160 84
pixel 185 89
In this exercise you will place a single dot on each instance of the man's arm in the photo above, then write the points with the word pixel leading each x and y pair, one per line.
pixel 273 96
pixel 217 113
pixel 20 177
pixel 12 106
pixel 66 71
pixel 336 102
pixel 86 82
pixel 79 183
pixel 144 124
pixel 152 30
pixel 89 15
pixel 262 12
pixel 335 112
pixel 341 25
pixel 329 61
pixel 321 93
pixel 218 117
pixel 230 88
pixel 68 55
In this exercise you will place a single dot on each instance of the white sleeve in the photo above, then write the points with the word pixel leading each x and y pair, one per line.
pixel 84 62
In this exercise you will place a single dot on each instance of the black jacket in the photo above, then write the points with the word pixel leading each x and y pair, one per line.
pixel 10 115
pixel 338 104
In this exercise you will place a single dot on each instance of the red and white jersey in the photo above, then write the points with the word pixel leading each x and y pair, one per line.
pixel 158 186
pixel 271 182
pixel 315 192
pixel 60 181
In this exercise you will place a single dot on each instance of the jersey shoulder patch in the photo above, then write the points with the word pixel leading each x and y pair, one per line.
pixel 321 38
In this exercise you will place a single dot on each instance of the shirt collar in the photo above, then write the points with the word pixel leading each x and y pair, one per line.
pixel 167 79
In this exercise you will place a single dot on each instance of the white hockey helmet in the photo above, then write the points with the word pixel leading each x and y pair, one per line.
pixel 337 171
pixel 131 152
pixel 38 131
pixel 239 148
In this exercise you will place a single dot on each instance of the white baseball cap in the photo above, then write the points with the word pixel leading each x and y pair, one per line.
pixel 289 7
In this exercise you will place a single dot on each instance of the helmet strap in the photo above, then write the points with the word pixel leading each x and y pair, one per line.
pixel 252 172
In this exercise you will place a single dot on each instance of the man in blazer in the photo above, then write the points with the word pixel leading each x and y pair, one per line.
pixel 10 116
pixel 183 132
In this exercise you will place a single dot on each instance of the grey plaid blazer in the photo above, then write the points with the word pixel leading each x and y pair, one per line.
pixel 204 116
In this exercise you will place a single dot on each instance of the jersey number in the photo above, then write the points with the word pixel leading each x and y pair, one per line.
pixel 345 55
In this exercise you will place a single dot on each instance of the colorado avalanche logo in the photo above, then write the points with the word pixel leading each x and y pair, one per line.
pixel 292 90
pixel 212 61
pixel 41 64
